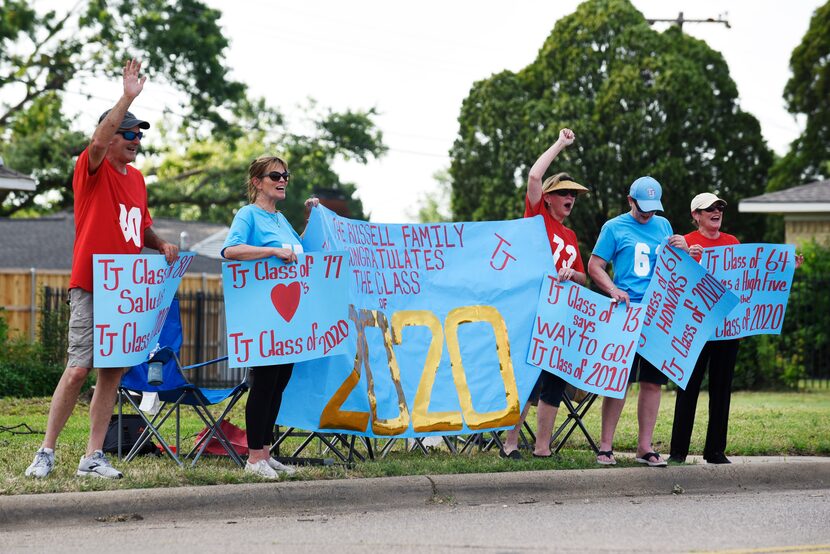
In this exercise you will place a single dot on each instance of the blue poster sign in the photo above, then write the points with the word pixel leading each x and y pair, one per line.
pixel 280 313
pixel 683 305
pixel 442 315
pixel 761 275
pixel 584 338
pixel 131 299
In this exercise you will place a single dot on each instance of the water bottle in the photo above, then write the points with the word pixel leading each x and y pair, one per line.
pixel 155 369
pixel 154 374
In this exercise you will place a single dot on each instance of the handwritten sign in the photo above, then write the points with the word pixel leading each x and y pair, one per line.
pixel 761 276
pixel 280 313
pixel 132 297
pixel 442 316
pixel 584 338
pixel 683 305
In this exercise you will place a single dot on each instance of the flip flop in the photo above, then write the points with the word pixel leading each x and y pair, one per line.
pixel 513 455
pixel 652 459
pixel 535 455
pixel 609 454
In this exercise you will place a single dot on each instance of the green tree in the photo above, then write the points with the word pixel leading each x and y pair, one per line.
pixel 204 179
pixel 640 103
pixel 806 93
pixel 180 43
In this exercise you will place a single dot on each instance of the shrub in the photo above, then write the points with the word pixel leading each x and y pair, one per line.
pixel 25 370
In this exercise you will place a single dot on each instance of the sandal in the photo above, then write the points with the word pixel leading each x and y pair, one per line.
pixel 608 454
pixel 652 459
pixel 512 455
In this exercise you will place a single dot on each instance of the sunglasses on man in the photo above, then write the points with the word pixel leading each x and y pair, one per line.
pixel 276 176
pixel 565 192
pixel 713 208
pixel 130 135
pixel 642 211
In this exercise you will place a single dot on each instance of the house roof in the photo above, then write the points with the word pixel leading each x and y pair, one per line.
pixel 811 198
pixel 12 180
pixel 46 242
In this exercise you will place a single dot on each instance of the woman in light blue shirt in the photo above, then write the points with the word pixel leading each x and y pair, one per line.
pixel 260 231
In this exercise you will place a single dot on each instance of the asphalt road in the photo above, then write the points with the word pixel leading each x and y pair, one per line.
pixel 755 505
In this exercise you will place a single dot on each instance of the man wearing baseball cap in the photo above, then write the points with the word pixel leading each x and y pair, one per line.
pixel 629 242
pixel 111 217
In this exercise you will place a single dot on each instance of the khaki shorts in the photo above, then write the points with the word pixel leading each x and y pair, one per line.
pixel 80 329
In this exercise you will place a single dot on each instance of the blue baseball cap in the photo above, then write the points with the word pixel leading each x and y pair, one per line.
pixel 647 192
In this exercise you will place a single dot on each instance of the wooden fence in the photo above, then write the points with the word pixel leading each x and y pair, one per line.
pixel 21 291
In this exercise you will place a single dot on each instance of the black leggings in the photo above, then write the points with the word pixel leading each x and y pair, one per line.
pixel 719 357
pixel 264 399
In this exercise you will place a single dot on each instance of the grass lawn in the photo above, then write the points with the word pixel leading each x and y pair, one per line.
pixel 762 423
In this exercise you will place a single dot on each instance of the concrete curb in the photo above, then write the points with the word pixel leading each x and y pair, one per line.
pixel 228 502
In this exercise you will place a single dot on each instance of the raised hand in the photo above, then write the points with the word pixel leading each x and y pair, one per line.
pixel 566 136
pixel 133 82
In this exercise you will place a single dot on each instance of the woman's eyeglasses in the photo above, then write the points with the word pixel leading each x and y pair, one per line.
pixel 711 209
pixel 276 176
pixel 130 135
pixel 565 192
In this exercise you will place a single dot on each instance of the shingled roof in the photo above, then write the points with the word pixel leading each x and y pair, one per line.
pixel 46 242
pixel 811 198
pixel 12 180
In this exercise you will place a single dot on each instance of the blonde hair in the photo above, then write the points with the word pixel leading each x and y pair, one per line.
pixel 255 171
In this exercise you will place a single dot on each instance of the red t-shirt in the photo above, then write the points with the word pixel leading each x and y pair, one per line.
pixel 696 237
pixel 110 215
pixel 563 243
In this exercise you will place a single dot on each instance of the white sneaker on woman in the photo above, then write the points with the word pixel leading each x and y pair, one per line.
pixel 279 467
pixel 261 469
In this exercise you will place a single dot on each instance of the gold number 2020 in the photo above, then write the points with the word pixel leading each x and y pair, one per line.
pixel 333 417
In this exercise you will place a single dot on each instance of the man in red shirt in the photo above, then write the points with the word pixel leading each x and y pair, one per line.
pixel 111 217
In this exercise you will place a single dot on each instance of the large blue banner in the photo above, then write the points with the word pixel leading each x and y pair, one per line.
pixel 440 318
pixel 683 305
pixel 584 338
pixel 301 309
pixel 131 299
pixel 761 275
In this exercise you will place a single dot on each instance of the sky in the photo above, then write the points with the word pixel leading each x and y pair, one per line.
pixel 415 62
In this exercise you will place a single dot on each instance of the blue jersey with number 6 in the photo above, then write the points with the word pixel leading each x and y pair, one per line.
pixel 631 247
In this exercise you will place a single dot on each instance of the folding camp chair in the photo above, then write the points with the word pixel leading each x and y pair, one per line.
pixel 174 392
pixel 576 412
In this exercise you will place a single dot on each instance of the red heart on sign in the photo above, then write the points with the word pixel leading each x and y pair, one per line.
pixel 286 298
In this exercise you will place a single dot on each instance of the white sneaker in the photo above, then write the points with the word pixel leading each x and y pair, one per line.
pixel 280 467
pixel 42 465
pixel 97 465
pixel 261 469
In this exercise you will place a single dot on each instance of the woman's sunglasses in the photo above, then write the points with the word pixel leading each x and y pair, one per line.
pixel 565 192
pixel 276 176
pixel 711 209
pixel 130 135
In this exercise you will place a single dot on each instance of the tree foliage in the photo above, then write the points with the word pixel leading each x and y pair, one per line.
pixel 199 170
pixel 640 103
pixel 205 179
pixel 180 43
pixel 807 93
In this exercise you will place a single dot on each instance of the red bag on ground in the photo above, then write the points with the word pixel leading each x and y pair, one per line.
pixel 237 437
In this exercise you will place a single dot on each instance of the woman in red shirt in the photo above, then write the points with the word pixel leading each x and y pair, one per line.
pixel 553 200
pixel 718 355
